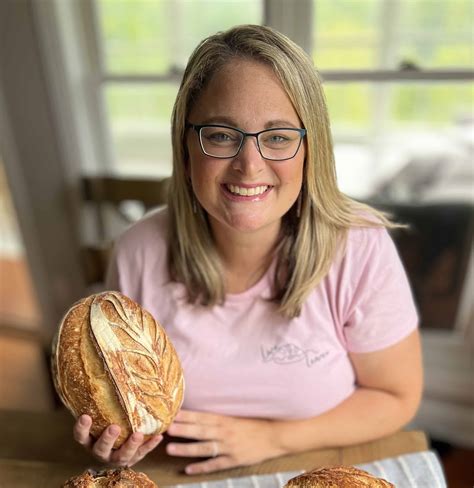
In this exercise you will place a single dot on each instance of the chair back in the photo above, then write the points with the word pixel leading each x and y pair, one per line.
pixel 114 202
pixel 436 250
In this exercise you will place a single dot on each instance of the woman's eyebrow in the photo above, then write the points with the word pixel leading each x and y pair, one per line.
pixel 219 119
pixel 279 123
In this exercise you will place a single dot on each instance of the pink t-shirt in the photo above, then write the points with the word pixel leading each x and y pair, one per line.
pixel 244 359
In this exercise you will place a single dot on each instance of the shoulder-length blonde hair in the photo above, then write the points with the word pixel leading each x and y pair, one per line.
pixel 310 236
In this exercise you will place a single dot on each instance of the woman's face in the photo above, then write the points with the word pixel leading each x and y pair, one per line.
pixel 246 95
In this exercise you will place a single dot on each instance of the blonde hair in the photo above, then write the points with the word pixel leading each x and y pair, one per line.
pixel 310 240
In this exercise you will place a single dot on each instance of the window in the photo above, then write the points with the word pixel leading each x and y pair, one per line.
pixel 399 89
pixel 371 34
pixel 144 49
pixel 398 80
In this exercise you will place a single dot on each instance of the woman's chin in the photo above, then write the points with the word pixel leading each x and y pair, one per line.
pixel 250 223
pixel 245 222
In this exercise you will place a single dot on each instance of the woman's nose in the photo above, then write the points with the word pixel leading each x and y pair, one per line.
pixel 249 160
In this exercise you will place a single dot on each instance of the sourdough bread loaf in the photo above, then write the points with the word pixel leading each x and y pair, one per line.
pixel 337 477
pixel 113 361
pixel 116 478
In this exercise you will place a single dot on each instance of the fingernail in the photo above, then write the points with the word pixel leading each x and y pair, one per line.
pixel 114 430
pixel 189 470
pixel 83 420
pixel 170 448
pixel 155 440
pixel 137 437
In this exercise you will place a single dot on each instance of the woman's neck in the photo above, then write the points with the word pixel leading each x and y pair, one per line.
pixel 245 257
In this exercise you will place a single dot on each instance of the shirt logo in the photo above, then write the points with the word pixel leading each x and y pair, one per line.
pixel 291 353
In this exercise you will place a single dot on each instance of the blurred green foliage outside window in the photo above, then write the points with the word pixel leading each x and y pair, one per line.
pixel 154 37
pixel 389 34
pixel 371 121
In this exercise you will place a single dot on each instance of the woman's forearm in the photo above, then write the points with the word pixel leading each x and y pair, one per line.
pixel 366 415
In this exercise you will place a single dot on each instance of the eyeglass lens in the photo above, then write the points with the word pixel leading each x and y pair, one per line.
pixel 225 142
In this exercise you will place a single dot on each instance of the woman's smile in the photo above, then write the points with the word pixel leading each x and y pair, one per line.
pixel 246 193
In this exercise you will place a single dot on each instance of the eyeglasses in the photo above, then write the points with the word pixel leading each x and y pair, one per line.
pixel 223 142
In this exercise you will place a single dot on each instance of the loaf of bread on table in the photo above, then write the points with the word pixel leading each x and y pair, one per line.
pixel 337 477
pixel 116 478
pixel 113 361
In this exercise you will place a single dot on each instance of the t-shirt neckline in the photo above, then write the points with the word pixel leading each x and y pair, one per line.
pixel 260 288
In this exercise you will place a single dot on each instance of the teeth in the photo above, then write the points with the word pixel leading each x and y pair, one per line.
pixel 237 190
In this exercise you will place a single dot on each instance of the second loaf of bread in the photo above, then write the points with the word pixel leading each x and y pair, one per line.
pixel 110 478
pixel 337 477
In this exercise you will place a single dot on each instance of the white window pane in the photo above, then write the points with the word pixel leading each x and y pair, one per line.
pixel 346 33
pixel 153 36
pixel 349 107
pixel 415 143
pixel 139 117
pixel 436 34
pixel 370 34
pixel 430 104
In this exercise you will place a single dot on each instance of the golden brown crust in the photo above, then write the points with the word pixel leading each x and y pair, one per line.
pixel 337 477
pixel 113 361
pixel 117 478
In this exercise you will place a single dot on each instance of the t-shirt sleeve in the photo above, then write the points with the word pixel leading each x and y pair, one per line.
pixel 138 262
pixel 382 311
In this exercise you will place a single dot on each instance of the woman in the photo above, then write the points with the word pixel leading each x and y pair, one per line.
pixel 285 299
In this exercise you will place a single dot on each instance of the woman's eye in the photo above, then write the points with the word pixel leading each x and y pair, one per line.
pixel 278 139
pixel 219 137
pixel 275 139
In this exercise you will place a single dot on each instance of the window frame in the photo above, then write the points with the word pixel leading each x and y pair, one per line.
pixel 291 17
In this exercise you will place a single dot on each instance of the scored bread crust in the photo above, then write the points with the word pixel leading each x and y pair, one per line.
pixel 337 477
pixel 113 361
pixel 117 478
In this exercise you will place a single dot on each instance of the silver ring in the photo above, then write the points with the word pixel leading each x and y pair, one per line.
pixel 215 449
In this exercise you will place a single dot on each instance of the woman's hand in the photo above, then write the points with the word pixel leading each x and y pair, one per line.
pixel 227 441
pixel 133 450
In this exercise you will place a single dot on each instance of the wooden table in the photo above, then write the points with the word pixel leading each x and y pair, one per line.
pixel 37 450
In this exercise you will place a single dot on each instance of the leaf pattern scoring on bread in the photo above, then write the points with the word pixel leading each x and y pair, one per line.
pixel 139 358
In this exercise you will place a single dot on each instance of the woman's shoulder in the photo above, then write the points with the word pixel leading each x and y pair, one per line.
pixel 368 235
pixel 140 255
pixel 369 253
pixel 368 242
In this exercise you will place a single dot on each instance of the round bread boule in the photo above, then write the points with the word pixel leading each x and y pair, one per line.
pixel 337 477
pixel 116 478
pixel 113 361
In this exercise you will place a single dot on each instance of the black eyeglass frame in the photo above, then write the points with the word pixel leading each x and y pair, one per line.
pixel 198 127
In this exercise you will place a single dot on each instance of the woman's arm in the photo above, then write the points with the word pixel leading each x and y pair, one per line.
pixel 388 394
